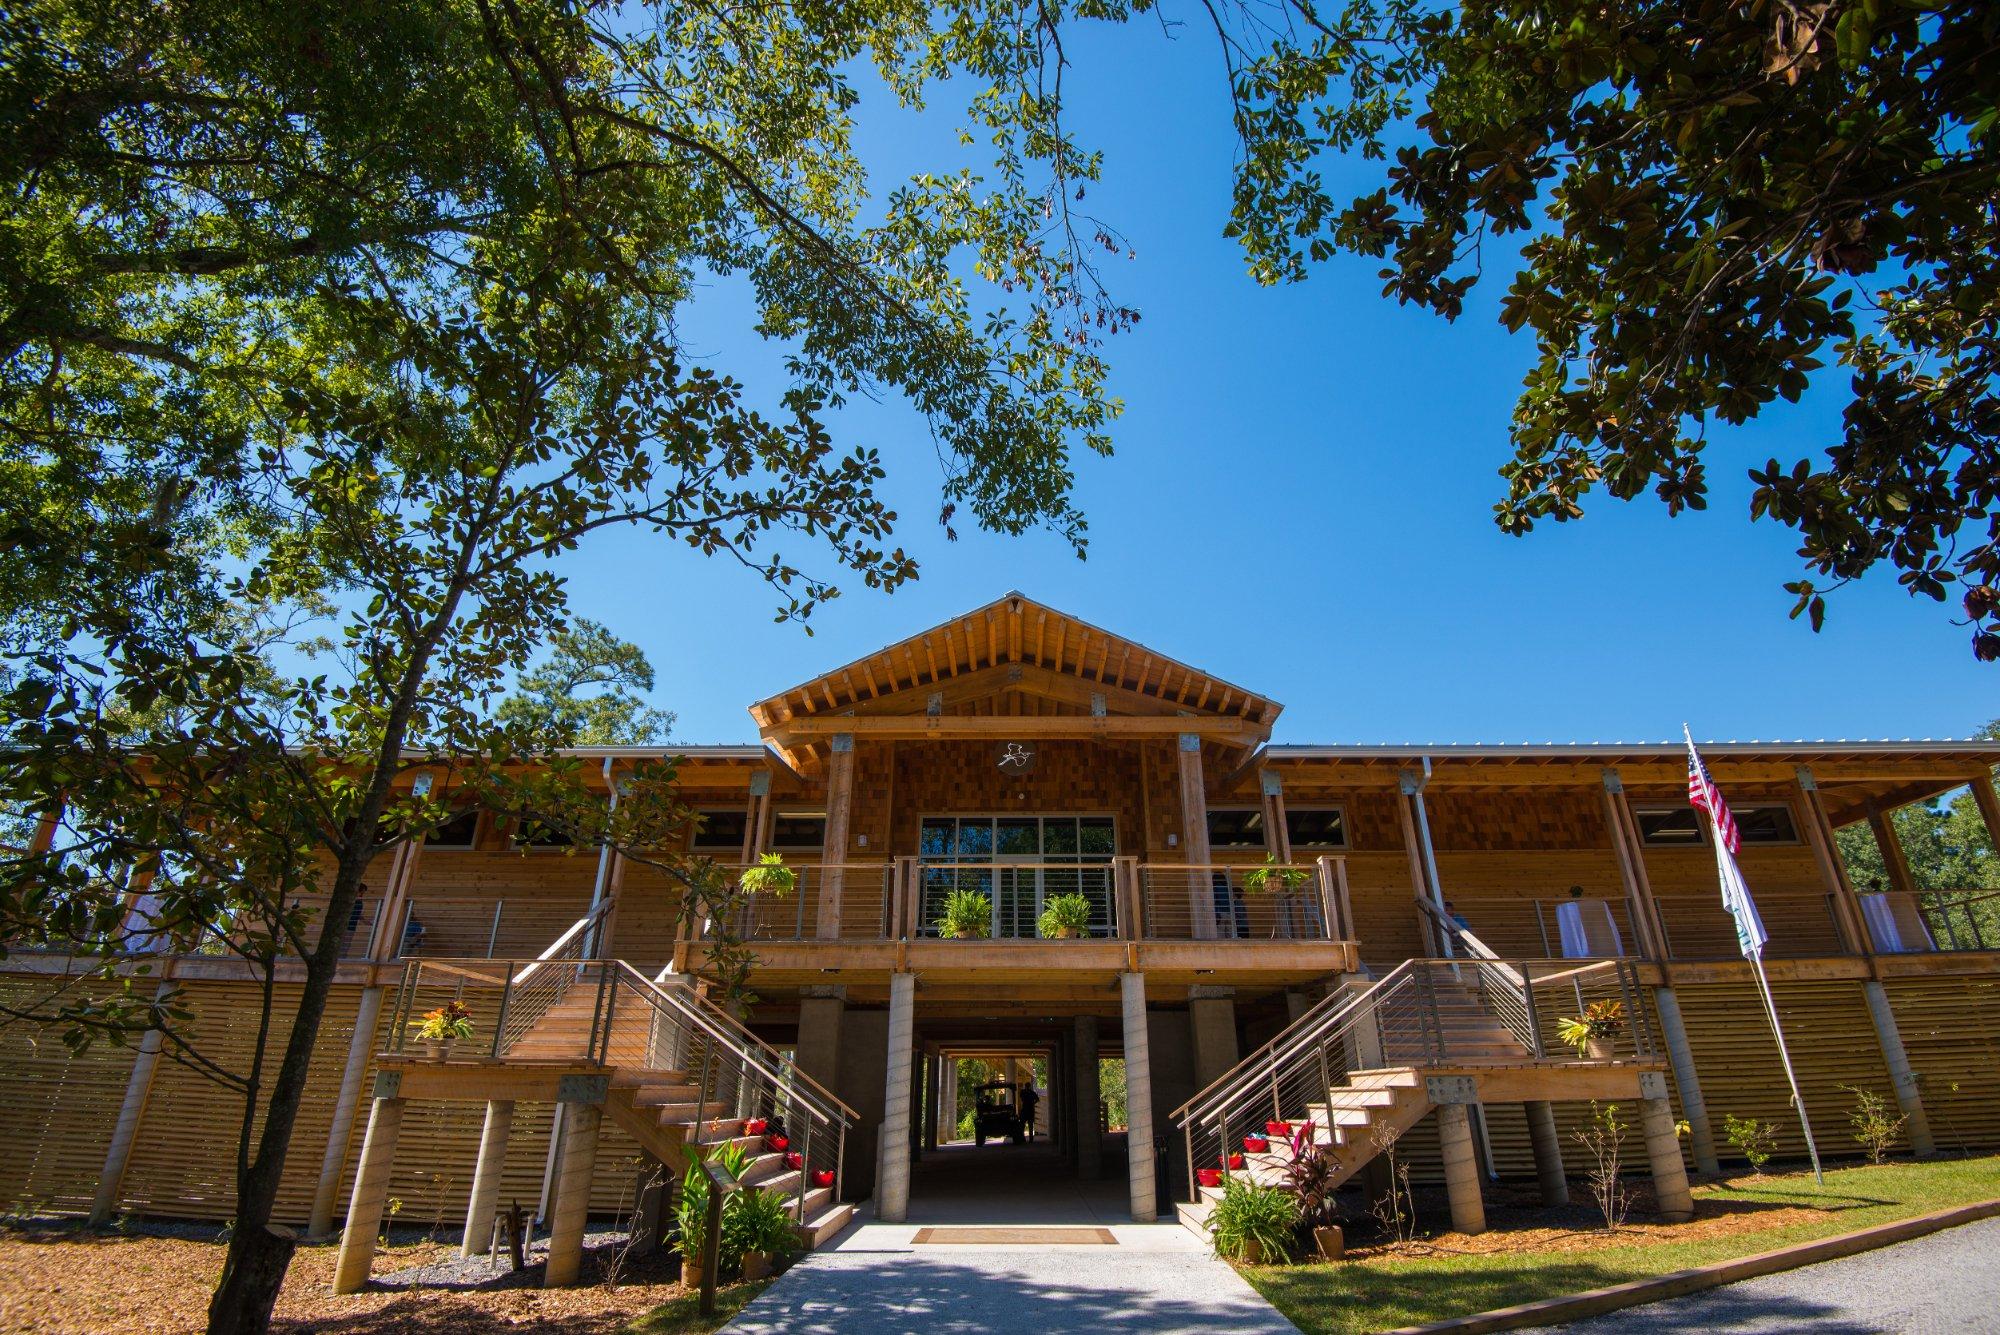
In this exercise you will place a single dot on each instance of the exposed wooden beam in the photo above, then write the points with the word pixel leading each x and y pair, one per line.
pixel 1229 731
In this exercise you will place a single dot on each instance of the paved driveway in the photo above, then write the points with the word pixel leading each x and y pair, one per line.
pixel 1949 1281
pixel 876 1281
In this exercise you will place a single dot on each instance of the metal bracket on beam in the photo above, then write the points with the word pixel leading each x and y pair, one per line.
pixel 760 783
pixel 388 1084
pixel 1805 778
pixel 1652 1085
pixel 583 1088
pixel 841 743
pixel 1097 709
pixel 1451 1089
pixel 1272 782
pixel 1190 741
pixel 934 704
pixel 1612 783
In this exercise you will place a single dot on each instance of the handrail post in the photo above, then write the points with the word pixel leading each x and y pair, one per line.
pixel 805 1162
pixel 1433 1025
pixel 1631 1009
pixel 500 1018
pixel 1534 1019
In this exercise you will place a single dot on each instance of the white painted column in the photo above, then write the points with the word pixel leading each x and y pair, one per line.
pixel 1461 1168
pixel 345 1105
pixel 572 1209
pixel 1908 1097
pixel 486 1174
pixel 125 1132
pixel 948 1101
pixel 1663 1151
pixel 1547 1143
pixel 892 1187
pixel 1138 1100
pixel 1086 1096
pixel 371 1189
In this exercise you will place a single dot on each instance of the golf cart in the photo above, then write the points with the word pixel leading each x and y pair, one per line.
pixel 998 1113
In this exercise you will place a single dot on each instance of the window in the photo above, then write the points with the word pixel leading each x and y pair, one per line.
pixel 461 831
pixel 1235 828
pixel 721 831
pixel 1019 862
pixel 1681 827
pixel 1316 827
pixel 798 829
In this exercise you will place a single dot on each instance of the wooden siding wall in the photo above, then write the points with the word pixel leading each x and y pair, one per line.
pixel 946 778
pixel 57 1109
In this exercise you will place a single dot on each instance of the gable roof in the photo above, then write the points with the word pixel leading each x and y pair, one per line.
pixel 1015 657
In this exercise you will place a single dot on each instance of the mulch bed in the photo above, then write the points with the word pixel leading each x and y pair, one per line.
pixel 59 1278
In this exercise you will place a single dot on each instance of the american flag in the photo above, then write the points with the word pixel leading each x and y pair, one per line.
pixel 1705 796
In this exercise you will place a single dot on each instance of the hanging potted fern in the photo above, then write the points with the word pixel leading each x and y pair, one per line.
pixel 965 914
pixel 770 877
pixel 1273 876
pixel 1064 917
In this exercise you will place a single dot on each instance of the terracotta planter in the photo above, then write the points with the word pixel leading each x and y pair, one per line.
pixel 1332 1243
pixel 1253 1252
pixel 1256 1145
pixel 756 1265
pixel 1208 1177
pixel 1235 1163
pixel 1063 934
pixel 437 1049
pixel 823 1178
pixel 965 934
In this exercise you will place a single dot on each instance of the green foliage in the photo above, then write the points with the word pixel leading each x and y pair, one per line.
pixel 1064 916
pixel 965 913
pixel 450 1021
pixel 770 877
pixel 1600 1021
pixel 754 1220
pixel 1710 204
pixel 1271 876
pixel 1873 1125
pixel 1756 1141
pixel 691 1212
pixel 554 704
pixel 1249 1213
pixel 1111 1088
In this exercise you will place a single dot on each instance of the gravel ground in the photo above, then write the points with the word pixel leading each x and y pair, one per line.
pixel 57 1278
pixel 1949 1281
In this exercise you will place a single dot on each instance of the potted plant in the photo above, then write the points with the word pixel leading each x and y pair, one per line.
pixel 755 1126
pixel 756 1232
pixel 1208 1177
pixel 777 1144
pixel 1310 1177
pixel 1273 876
pixel 770 877
pixel 440 1028
pixel 1256 1144
pixel 823 1177
pixel 1591 1032
pixel 1235 1163
pixel 966 914
pixel 1064 917
pixel 1253 1224
pixel 1278 1130
pixel 794 1160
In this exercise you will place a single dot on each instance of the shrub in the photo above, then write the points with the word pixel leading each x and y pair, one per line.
pixel 1064 916
pixel 1600 1021
pixel 1248 1213
pixel 449 1021
pixel 691 1215
pixel 1604 1138
pixel 1873 1126
pixel 770 877
pixel 1310 1177
pixel 1754 1140
pixel 755 1221
pixel 965 912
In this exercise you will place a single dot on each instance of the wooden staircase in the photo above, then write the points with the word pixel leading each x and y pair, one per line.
pixel 662 1108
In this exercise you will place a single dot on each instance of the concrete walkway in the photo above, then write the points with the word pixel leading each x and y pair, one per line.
pixel 1949 1281
pixel 875 1281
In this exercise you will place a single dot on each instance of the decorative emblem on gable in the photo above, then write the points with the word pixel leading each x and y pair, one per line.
pixel 1015 757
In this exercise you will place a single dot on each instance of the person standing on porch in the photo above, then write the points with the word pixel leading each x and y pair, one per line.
pixel 1030 1099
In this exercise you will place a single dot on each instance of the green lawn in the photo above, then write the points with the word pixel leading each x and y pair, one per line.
pixel 683 1316
pixel 1374 1295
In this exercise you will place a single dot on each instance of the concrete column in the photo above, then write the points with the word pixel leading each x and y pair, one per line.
pixel 345 1104
pixel 933 1096
pixel 1908 1097
pixel 371 1190
pixel 125 1132
pixel 572 1207
pixel 1461 1168
pixel 947 1100
pixel 821 1010
pixel 1212 1025
pixel 485 1199
pixel 1088 1128
pixel 892 1186
pixel 1297 1003
pixel 1663 1150
pixel 1138 1100
pixel 1548 1152
pixel 1668 1007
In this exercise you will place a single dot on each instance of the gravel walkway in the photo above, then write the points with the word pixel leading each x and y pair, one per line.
pixel 1949 1281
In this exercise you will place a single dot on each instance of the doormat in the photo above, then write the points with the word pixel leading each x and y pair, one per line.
pixel 1018 1237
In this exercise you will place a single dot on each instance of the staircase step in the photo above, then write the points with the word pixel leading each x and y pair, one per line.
pixel 820 1228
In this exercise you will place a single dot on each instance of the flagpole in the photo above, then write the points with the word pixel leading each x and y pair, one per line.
pixel 1784 1055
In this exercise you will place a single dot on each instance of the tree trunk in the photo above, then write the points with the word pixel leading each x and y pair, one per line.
pixel 251 1278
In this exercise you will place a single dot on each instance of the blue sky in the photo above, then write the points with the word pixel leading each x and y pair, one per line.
pixel 1301 502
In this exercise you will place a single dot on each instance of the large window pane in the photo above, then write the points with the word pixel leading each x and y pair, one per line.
pixel 936 839
pixel 1099 839
pixel 1018 837
pixel 975 838
pixel 1235 828
pixel 1316 827
pixel 1059 836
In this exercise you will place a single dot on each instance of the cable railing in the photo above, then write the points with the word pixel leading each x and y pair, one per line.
pixel 861 890
pixel 1463 1012
pixel 1016 894
pixel 1253 902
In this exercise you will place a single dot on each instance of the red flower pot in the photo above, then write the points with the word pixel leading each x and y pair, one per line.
pixel 755 1126
pixel 823 1178
pixel 1209 1177
pixel 1256 1144
pixel 1278 1130
pixel 1235 1161
pixel 777 1142
pixel 795 1160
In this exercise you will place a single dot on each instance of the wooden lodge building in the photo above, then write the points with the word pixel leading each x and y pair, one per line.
pixel 1261 915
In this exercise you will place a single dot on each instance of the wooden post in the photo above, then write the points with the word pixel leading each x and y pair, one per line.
pixel 486 1174
pixel 345 1105
pixel 1893 860
pixel 1988 803
pixel 1194 837
pixel 892 1187
pixel 1640 906
pixel 1277 834
pixel 125 1132
pixel 933 1096
pixel 386 938
pixel 1423 880
pixel 1461 1168
pixel 584 1113
pixel 1547 1144
pixel 371 1185
pixel 1908 1096
pixel 839 816
pixel 1138 1099
pixel 1663 1150
pixel 1819 833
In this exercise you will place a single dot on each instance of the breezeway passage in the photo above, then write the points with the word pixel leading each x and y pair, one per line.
pixel 875 1280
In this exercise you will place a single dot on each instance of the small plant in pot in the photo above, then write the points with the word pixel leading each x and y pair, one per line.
pixel 1591 1032
pixel 770 877
pixel 1256 1144
pixel 1310 1177
pixel 966 914
pixel 440 1028
pixel 1064 917
pixel 1253 1224
pixel 756 1232
pixel 1274 877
